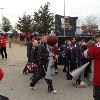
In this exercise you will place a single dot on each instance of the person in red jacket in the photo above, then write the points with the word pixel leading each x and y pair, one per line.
pixel 94 52
pixel 1 73
pixel 1 77
pixel 3 47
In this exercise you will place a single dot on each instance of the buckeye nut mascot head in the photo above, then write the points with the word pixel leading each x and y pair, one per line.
pixel 52 39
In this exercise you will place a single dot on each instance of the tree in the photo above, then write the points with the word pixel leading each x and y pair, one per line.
pixel 6 25
pixel 90 26
pixel 25 24
pixel 44 20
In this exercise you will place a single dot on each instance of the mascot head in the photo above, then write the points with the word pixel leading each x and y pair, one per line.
pixel 52 39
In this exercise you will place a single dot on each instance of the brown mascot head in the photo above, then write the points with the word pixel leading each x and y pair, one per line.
pixel 52 39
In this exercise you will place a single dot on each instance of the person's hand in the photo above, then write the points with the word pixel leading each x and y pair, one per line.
pixel 56 56
pixel 51 54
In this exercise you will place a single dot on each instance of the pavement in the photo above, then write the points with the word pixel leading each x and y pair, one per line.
pixel 15 85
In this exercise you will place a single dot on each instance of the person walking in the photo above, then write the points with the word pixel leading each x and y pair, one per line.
pixel 94 52
pixel 3 47
pixel 43 55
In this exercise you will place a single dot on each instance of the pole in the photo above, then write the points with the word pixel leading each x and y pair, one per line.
pixel 2 11
pixel 1 16
pixel 64 19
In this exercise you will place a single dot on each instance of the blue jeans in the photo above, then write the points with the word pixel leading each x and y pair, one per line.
pixel 50 85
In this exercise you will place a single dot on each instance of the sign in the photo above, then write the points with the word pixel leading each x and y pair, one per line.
pixel 69 23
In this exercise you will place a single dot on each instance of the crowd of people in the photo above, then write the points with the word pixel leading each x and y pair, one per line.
pixel 43 56
pixel 46 57
pixel 73 57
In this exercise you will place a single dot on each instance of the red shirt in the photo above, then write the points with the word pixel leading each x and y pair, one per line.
pixel 3 42
pixel 94 52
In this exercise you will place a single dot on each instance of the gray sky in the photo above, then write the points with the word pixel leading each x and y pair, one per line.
pixel 80 8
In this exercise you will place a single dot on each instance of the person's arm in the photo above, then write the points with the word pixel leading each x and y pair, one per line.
pixel 90 52
pixel 42 52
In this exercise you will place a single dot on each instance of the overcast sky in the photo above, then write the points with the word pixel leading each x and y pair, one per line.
pixel 80 8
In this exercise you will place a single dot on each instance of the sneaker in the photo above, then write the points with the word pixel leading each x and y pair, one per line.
pixel 56 72
pixel 2 59
pixel 54 91
pixel 82 85
pixel 33 88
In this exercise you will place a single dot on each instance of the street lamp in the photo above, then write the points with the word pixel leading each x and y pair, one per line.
pixel 64 18
pixel 1 16
pixel 2 11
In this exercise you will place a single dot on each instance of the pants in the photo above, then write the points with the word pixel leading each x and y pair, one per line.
pixel 55 64
pixel 96 92
pixel 3 51
pixel 50 85
pixel 3 98
pixel 29 57
pixel 38 76
pixel 79 63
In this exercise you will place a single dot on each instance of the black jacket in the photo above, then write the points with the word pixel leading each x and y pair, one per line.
pixel 29 48
pixel 78 54
pixel 43 53
pixel 34 55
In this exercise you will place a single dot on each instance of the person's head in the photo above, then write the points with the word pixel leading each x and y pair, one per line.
pixel 90 40
pixel 35 43
pixel 69 42
pixel 73 40
pixel 33 38
pixel 44 39
pixel 52 39
pixel 83 43
pixel 2 36
pixel 79 41
pixel 97 38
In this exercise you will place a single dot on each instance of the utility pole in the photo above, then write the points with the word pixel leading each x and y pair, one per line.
pixel 2 11
pixel 64 19
pixel 1 17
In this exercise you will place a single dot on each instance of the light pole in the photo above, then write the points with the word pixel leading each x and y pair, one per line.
pixel 64 19
pixel 1 16
pixel 2 11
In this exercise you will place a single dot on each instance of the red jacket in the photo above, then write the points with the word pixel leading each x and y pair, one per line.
pixel 3 42
pixel 1 74
pixel 94 52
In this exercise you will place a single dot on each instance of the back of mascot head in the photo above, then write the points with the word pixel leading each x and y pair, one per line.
pixel 52 39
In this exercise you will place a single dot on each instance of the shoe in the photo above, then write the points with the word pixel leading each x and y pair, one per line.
pixel 33 88
pixel 64 70
pixel 82 85
pixel 56 72
pixel 2 59
pixel 54 91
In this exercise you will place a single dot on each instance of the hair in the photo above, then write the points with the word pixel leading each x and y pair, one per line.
pixel 52 40
pixel 78 39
